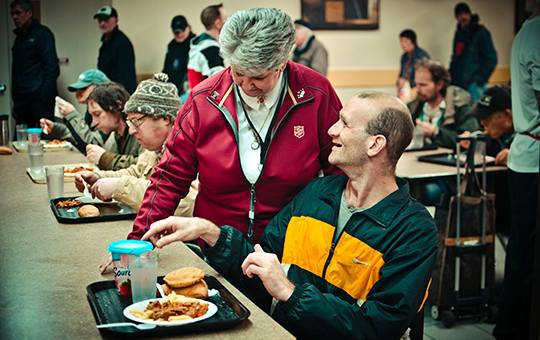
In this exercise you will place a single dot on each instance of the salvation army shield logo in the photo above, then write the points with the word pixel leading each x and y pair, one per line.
pixel 299 131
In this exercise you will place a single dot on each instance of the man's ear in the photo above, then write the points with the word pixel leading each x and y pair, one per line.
pixel 439 85
pixel 376 144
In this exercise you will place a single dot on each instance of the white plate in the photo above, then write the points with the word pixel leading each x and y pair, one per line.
pixel 212 309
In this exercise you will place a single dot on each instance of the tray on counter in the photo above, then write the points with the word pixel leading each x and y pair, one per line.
pixel 47 146
pixel 107 307
pixel 109 211
pixel 449 158
pixel 40 178
pixel 426 147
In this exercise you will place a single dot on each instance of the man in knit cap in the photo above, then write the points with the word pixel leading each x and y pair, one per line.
pixel 151 112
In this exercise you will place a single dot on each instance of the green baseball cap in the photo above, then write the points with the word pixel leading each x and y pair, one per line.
pixel 87 78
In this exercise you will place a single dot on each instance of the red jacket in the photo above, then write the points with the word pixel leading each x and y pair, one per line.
pixel 204 142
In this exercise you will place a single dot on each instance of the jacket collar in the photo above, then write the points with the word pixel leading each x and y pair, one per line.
pixel 298 92
pixel 383 213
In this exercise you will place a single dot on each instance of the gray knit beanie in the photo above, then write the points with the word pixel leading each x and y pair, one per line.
pixel 155 97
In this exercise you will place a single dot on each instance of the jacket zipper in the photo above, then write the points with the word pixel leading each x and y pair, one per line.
pixel 333 245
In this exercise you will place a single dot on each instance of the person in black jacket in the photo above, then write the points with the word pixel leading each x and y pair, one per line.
pixel 116 56
pixel 474 57
pixel 34 67
pixel 177 56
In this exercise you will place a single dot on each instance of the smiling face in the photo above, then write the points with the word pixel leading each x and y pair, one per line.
pixel 21 18
pixel 255 86
pixel 150 132
pixel 102 120
pixel 181 36
pixel 349 134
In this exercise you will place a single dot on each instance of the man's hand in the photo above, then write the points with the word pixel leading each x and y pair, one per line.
pixel 174 229
pixel 502 157
pixel 104 188
pixel 64 107
pixel 268 268
pixel 94 152
pixel 85 178
pixel 46 125
pixel 429 129
pixel 105 263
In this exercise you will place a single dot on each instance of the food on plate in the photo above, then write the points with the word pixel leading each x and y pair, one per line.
pixel 68 204
pixel 198 290
pixel 186 281
pixel 55 142
pixel 184 277
pixel 88 210
pixel 172 308
pixel 77 169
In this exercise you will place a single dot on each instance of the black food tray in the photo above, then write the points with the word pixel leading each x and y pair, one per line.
pixel 110 211
pixel 107 307
pixel 426 147
pixel 449 158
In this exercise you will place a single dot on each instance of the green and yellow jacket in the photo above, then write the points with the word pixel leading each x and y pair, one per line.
pixel 369 284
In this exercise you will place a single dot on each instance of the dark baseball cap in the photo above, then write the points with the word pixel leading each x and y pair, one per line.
pixel 179 23
pixel 106 12
pixel 494 99
pixel 87 78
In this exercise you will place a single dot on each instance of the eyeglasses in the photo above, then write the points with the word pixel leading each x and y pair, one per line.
pixel 135 122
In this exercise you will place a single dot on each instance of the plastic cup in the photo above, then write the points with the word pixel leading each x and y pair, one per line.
pixel 121 251
pixel 418 138
pixel 35 154
pixel 55 181
pixel 22 134
pixel 143 269
pixel 34 135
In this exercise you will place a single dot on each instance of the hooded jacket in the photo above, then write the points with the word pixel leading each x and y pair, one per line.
pixel 204 141
pixel 369 284
pixel 204 59
pixel 474 57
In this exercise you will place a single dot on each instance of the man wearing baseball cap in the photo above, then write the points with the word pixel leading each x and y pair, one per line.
pixel 494 112
pixel 116 55
pixel 177 56
pixel 75 126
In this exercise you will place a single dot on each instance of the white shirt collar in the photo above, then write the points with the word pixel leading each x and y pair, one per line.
pixel 270 98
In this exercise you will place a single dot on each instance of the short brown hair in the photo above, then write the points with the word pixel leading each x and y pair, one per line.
pixel 110 96
pixel 210 14
pixel 392 120
pixel 437 71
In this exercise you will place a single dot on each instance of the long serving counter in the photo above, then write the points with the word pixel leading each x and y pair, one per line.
pixel 46 265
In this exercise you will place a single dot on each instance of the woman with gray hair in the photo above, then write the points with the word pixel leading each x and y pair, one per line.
pixel 255 133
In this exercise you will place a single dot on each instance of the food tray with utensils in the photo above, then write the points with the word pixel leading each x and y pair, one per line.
pixel 70 170
pixel 67 210
pixel 449 158
pixel 108 306
pixel 48 145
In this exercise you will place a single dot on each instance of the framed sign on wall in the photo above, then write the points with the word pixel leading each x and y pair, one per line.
pixel 341 14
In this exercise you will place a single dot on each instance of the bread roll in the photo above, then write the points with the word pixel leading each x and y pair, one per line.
pixel 88 210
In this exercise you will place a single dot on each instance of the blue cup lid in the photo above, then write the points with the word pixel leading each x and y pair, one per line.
pixel 132 247
pixel 34 130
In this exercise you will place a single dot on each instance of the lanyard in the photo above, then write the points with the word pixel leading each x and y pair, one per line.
pixel 259 141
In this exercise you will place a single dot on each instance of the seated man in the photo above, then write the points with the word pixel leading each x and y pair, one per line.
pixel 151 112
pixel 76 127
pixel 351 255
pixel 440 110
pixel 494 111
